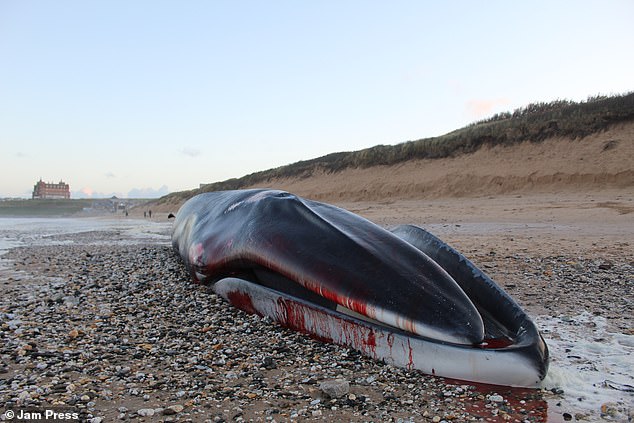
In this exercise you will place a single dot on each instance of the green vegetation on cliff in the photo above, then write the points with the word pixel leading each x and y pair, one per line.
pixel 535 123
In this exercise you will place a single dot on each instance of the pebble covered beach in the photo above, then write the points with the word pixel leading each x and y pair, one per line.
pixel 118 332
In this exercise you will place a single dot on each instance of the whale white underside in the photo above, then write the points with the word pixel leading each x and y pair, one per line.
pixel 492 366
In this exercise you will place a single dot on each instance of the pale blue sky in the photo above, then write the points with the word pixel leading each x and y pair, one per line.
pixel 116 96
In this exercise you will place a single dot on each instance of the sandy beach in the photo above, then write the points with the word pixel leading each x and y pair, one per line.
pixel 109 324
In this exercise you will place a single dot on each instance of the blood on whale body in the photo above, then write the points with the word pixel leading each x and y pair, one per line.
pixel 402 296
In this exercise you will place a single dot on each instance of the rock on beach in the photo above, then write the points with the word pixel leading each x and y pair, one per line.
pixel 335 388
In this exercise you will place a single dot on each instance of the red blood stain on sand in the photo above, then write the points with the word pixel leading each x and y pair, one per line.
pixel 518 405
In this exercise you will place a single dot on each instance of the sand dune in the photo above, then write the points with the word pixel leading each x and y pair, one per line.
pixel 563 167
pixel 556 165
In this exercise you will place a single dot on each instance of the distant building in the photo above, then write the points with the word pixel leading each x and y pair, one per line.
pixel 54 191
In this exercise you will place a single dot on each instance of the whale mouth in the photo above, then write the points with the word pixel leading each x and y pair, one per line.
pixel 520 362
pixel 496 336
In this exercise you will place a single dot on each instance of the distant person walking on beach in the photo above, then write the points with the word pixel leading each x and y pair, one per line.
pixel 144 215
pixel 150 213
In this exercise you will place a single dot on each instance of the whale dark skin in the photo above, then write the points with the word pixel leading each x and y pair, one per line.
pixel 329 251
pixel 273 245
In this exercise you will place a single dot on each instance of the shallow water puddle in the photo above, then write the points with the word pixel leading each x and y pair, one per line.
pixel 51 231
pixel 591 365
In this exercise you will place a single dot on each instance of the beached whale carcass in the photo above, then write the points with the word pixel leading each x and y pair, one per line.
pixel 399 295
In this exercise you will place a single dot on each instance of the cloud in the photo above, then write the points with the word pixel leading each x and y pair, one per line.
pixel 148 192
pixel 88 192
pixel 482 108
pixel 191 152
pixel 110 175
pixel 20 155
